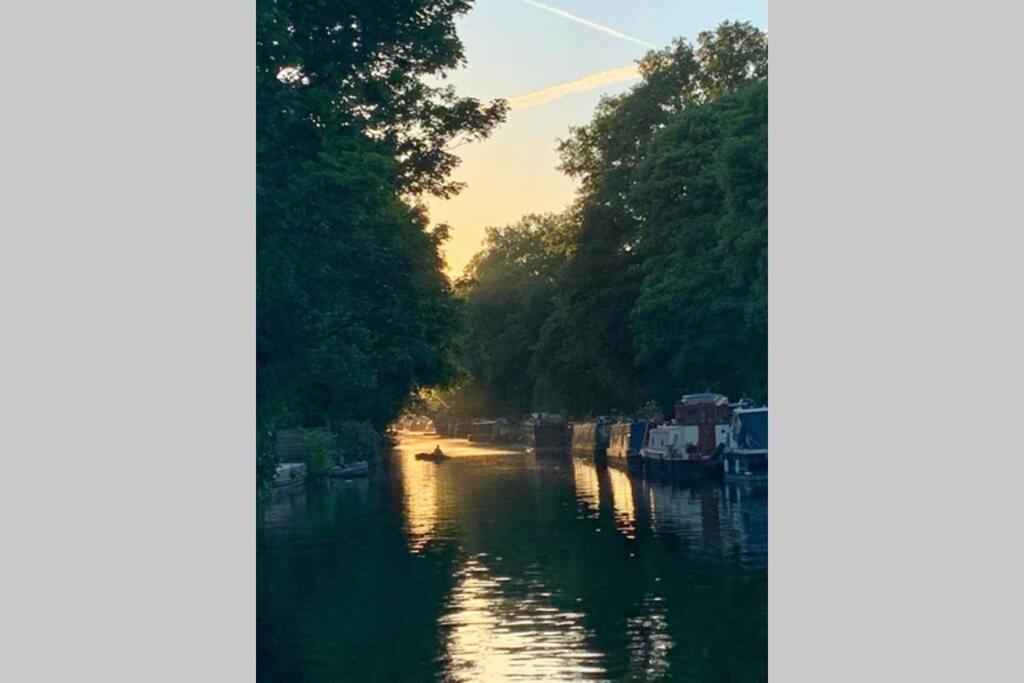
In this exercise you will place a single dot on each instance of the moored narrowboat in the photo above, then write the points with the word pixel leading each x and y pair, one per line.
pixel 505 431
pixel 707 419
pixel 482 431
pixel 692 445
pixel 625 439
pixel 590 439
pixel 746 456
pixel 545 434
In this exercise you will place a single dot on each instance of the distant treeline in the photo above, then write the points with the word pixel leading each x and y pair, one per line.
pixel 654 282
pixel 353 309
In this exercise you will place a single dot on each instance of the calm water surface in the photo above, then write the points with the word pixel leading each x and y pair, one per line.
pixel 499 565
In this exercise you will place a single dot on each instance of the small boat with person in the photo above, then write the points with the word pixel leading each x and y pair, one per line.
pixel 437 455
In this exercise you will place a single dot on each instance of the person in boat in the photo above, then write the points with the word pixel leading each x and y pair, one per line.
pixel 438 453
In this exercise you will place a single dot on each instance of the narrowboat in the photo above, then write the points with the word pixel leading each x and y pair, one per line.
pixel 505 431
pixel 459 428
pixel 289 475
pixel 708 421
pixel 590 439
pixel 625 439
pixel 693 443
pixel 545 434
pixel 746 456
pixel 482 431
pixel 445 425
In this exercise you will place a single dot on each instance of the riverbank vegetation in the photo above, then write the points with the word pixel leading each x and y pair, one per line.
pixel 354 311
pixel 655 279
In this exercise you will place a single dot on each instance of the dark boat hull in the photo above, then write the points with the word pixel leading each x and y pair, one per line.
pixel 685 470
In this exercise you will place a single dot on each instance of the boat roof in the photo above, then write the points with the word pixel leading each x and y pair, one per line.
pixel 704 398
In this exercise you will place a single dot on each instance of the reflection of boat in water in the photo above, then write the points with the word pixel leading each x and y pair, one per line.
pixel 587 483
pixel 690 513
pixel 746 456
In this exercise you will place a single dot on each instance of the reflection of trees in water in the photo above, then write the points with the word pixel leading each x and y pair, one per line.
pixel 339 594
pixel 278 512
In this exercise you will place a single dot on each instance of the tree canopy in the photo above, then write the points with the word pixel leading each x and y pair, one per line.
pixel 353 308
pixel 657 283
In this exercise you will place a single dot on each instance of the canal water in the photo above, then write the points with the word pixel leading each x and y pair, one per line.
pixel 500 565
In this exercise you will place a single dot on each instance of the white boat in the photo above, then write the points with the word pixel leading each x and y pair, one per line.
pixel 671 447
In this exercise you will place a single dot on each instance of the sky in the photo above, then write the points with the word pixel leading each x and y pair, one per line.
pixel 552 60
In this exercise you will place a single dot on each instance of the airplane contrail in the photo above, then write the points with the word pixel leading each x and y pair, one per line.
pixel 553 92
pixel 591 24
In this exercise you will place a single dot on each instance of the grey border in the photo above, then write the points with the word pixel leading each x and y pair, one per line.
pixel 894 341
pixel 127 286
pixel 126 368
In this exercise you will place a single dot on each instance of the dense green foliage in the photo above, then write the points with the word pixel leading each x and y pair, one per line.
pixel 353 309
pixel 654 282
pixel 509 289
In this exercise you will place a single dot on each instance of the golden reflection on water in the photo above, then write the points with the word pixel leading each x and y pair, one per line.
pixel 588 485
pixel 622 500
pixel 424 486
pixel 491 636
pixel 421 492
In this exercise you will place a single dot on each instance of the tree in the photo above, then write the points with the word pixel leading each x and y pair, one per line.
pixel 508 293
pixel 700 319
pixel 662 285
pixel 353 309
pixel 587 353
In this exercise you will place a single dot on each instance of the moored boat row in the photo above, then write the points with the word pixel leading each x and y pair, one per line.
pixel 706 437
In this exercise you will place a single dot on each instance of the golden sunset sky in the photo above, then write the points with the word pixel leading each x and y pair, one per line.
pixel 552 61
